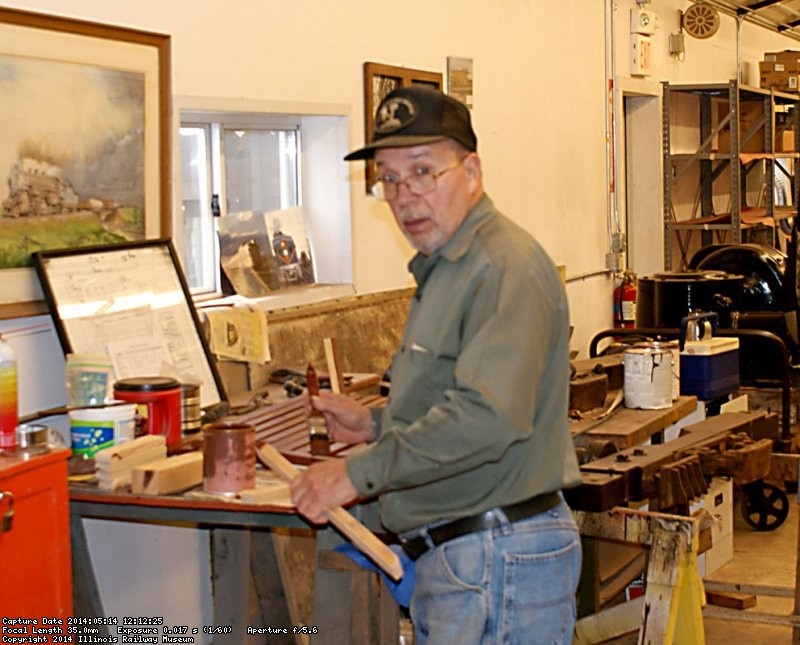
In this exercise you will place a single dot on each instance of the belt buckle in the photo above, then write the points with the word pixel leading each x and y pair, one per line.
pixel 415 546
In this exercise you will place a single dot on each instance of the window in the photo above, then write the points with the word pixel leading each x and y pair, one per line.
pixel 263 203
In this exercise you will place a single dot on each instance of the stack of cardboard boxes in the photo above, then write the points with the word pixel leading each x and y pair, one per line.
pixel 780 71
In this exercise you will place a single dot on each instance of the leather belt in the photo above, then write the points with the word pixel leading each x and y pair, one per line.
pixel 427 539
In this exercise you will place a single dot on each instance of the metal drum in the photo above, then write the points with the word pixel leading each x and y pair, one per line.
pixel 648 376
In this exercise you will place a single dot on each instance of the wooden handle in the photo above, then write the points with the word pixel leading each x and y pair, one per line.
pixel 356 532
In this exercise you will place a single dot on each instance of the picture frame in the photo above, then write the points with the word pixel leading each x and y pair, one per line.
pixel 379 80
pixel 126 102
pixel 130 302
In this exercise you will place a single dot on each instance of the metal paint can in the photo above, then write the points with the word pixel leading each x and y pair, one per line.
pixel 229 457
pixel 648 377
pixel 191 412
pixel 674 348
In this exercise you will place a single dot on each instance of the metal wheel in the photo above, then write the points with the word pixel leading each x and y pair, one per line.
pixel 764 506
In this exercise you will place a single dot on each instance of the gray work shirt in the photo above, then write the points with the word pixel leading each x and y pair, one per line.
pixel 477 414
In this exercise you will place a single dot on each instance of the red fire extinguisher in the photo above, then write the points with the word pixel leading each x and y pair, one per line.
pixel 625 301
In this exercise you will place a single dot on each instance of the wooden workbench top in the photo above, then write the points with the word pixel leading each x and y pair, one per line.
pixel 626 427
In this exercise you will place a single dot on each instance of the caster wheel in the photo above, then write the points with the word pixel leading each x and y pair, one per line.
pixel 764 506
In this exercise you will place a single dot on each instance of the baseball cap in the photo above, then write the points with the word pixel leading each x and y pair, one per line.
pixel 415 115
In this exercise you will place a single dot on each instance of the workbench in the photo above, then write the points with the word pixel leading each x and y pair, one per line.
pixel 243 554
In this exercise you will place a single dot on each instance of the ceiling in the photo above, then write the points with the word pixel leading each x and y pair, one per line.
pixel 782 16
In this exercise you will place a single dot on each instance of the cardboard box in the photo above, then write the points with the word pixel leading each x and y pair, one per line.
pixel 716 557
pixel 781 81
pixel 790 58
pixel 718 501
pixel 767 67
pixel 784 141
pixel 748 115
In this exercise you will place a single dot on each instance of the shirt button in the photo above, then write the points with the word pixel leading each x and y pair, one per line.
pixel 370 485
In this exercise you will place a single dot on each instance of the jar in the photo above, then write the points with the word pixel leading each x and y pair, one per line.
pixel 229 457
pixel 158 399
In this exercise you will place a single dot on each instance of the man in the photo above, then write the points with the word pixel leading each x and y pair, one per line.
pixel 472 449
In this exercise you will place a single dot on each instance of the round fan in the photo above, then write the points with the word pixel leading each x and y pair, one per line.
pixel 700 20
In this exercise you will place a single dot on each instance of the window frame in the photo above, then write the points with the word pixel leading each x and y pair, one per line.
pixel 322 127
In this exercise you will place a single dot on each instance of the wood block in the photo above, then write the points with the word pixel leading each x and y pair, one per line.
pixel 731 599
pixel 149 453
pixel 587 391
pixel 114 464
pixel 169 475
pixel 597 492
pixel 115 453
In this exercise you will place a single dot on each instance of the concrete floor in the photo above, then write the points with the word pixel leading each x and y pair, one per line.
pixel 764 558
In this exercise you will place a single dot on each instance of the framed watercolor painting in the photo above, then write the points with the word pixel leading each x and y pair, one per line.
pixel 84 142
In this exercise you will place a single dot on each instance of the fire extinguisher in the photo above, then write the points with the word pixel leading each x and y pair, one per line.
pixel 625 301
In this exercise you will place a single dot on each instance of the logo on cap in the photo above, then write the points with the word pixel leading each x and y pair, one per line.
pixel 394 114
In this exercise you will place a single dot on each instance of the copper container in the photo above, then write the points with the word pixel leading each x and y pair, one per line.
pixel 229 457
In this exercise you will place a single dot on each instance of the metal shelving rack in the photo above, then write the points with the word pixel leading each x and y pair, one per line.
pixel 715 165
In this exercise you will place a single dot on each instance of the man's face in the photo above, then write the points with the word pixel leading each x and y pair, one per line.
pixel 428 221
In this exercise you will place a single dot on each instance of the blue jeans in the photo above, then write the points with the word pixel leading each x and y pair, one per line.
pixel 515 584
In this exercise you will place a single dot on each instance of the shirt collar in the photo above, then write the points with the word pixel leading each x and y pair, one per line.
pixel 457 246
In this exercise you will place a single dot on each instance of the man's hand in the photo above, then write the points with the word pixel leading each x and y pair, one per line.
pixel 348 420
pixel 320 487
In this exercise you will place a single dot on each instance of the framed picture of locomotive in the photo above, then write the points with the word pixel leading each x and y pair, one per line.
pixel 379 80
pixel 84 126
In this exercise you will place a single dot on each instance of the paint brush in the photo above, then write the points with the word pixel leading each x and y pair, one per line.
pixel 319 440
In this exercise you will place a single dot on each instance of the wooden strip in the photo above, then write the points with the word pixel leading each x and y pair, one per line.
pixel 333 358
pixel 361 537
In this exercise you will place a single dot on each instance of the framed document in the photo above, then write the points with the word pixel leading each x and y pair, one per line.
pixel 130 302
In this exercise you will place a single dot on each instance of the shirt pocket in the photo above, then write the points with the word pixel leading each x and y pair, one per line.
pixel 420 378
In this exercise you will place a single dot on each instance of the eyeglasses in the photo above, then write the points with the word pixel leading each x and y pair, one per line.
pixel 421 182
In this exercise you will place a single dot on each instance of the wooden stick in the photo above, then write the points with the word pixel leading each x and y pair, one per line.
pixel 334 361
pixel 356 532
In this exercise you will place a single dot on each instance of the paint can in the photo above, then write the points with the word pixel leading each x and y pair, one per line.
pixel 674 348
pixel 229 457
pixel 648 377
pixel 191 412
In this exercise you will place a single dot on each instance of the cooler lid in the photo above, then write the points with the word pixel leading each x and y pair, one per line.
pixel 710 346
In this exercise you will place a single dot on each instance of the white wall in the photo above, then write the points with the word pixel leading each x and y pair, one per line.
pixel 539 103
pixel 539 74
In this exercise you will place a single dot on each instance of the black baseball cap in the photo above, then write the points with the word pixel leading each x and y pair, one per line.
pixel 415 115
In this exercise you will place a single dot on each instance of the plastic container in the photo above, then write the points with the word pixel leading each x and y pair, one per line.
pixel 710 368
pixel 89 379
pixel 229 457
pixel 159 401
pixel 9 415
pixel 93 429
pixel 709 364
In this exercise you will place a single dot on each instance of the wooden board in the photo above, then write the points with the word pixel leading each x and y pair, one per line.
pixel 627 427
pixel 361 536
